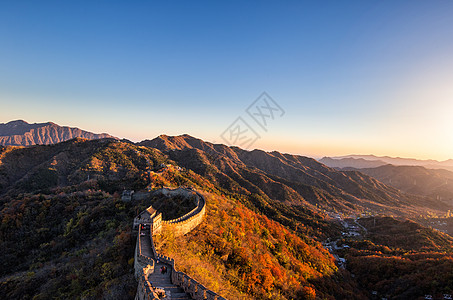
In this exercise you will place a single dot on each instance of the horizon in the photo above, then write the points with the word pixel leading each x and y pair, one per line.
pixel 266 150
pixel 348 77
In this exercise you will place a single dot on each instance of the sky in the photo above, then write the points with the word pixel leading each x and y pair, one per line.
pixel 340 77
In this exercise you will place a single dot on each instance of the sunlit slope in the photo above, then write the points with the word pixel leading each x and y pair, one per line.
pixel 244 255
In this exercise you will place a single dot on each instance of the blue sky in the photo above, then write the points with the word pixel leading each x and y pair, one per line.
pixel 352 76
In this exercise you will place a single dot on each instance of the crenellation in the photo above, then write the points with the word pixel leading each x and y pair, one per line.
pixel 201 293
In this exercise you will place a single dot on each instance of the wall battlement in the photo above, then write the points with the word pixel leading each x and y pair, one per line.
pixel 145 252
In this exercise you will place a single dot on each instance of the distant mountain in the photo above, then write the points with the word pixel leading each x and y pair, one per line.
pixel 370 161
pixel 21 133
pixel 289 179
pixel 415 180
pixel 351 162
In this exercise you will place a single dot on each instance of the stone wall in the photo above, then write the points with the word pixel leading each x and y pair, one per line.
pixel 189 221
pixel 179 226
pixel 142 259
pixel 196 290
pixel 144 289
pixel 170 192
pixel 186 223
pixel 157 224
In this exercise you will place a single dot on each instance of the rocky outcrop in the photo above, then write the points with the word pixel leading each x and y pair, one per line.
pixel 21 133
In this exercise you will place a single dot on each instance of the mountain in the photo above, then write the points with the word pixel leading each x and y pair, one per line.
pixel 21 133
pixel 43 168
pixel 288 179
pixel 370 161
pixel 65 233
pixel 351 162
pixel 114 165
pixel 437 183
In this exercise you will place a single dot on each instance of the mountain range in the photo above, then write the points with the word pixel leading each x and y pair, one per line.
pixel 371 161
pixel 21 133
pixel 65 231
pixel 290 179
pixel 436 183
pixel 273 177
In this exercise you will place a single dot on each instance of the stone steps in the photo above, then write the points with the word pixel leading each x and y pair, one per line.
pixel 182 296
pixel 163 281
pixel 179 226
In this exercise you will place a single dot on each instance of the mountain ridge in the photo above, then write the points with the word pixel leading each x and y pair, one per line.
pixel 272 176
pixel 21 133
pixel 437 183
pixel 286 177
pixel 369 161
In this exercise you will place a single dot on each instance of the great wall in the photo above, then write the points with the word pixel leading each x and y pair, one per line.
pixel 173 284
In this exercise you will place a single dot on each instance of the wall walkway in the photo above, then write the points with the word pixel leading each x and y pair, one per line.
pixel 177 285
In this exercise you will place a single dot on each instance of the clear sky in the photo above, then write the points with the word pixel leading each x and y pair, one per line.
pixel 356 77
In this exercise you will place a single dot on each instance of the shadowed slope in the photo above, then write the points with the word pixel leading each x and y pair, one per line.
pixel 290 179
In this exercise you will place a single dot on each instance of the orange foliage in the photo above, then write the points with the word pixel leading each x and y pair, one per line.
pixel 267 258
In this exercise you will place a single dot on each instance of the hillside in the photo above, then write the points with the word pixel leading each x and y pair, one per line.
pixel 65 233
pixel 399 259
pixel 416 180
pixel 21 133
pixel 289 179
pixel 66 245
pixel 42 168
pixel 61 214
pixel 257 257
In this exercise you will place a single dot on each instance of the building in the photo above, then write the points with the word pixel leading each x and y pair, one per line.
pixel 127 195
pixel 149 217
